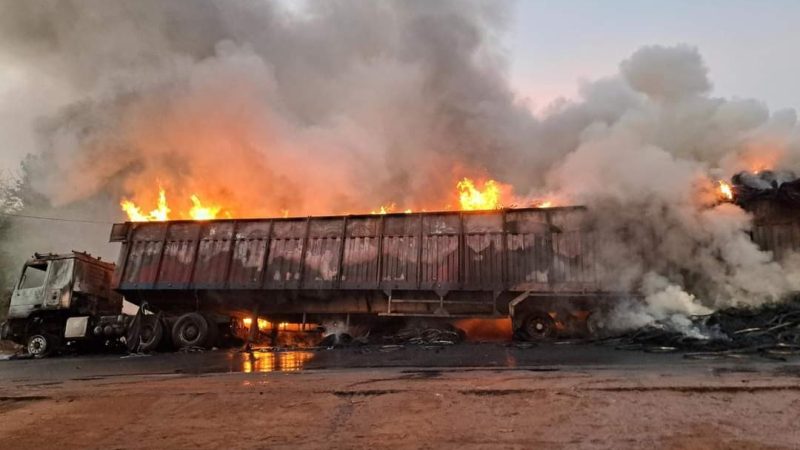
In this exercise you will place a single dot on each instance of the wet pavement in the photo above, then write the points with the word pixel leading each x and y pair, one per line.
pixel 545 357
pixel 469 395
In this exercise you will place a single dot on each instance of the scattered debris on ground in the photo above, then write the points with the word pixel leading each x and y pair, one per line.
pixel 772 332
pixel 426 336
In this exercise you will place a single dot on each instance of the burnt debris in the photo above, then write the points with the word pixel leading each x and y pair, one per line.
pixel 781 186
pixel 771 331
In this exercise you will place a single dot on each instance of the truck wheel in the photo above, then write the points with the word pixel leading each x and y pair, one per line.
pixel 41 345
pixel 536 327
pixel 190 330
pixel 151 333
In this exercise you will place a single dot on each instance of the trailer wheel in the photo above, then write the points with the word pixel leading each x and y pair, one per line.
pixel 151 334
pixel 536 327
pixel 190 330
pixel 41 345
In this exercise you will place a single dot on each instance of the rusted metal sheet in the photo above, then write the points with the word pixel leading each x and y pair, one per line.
pixel 776 227
pixel 143 256
pixel 286 253
pixel 177 260
pixel 511 250
pixel 360 258
pixel 400 252
pixel 213 255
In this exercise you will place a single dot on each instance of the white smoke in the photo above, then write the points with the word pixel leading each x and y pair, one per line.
pixel 342 106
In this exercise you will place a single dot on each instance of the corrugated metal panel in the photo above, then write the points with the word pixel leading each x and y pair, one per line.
pixel 249 254
pixel 284 261
pixel 213 255
pixel 144 255
pixel 573 251
pixel 530 250
pixel 488 251
pixel 401 252
pixel 323 251
pixel 483 251
pixel 776 226
pixel 177 262
pixel 360 266
pixel 440 255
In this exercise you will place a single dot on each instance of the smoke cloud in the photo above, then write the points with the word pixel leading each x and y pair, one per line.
pixel 343 106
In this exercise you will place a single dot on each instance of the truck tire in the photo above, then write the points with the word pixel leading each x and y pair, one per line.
pixel 190 330
pixel 151 333
pixel 41 345
pixel 535 326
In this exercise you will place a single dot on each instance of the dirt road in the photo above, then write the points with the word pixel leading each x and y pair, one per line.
pixel 467 396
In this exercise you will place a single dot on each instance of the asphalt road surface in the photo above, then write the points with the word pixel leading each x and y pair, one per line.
pixel 491 395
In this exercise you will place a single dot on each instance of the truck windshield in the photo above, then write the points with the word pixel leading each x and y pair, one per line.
pixel 34 276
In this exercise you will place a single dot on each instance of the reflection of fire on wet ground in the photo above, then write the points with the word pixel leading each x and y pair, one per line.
pixel 271 361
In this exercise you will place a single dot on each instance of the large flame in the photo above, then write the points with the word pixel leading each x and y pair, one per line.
pixel 161 213
pixel 489 196
pixel 135 214
pixel 471 198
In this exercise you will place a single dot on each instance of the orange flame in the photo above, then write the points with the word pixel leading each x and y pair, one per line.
pixel 384 209
pixel 200 212
pixel 471 198
pixel 161 213
pixel 724 191
pixel 388 209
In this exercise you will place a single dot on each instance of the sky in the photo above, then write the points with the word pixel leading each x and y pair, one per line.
pixel 751 49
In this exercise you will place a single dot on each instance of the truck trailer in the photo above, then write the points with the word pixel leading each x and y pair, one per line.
pixel 535 265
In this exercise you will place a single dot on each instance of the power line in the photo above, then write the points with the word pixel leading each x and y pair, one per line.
pixel 55 219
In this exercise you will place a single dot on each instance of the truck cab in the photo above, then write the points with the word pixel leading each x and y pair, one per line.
pixel 62 298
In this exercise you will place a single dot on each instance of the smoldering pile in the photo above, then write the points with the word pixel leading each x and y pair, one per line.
pixel 771 331
pixel 781 186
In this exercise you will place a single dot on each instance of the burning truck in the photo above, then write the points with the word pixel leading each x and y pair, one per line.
pixel 199 280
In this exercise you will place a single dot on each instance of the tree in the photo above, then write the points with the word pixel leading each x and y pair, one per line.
pixel 10 203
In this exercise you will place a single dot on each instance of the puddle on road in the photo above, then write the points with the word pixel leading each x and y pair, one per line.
pixel 271 361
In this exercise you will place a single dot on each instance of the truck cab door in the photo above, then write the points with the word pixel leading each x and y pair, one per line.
pixel 42 286
pixel 29 293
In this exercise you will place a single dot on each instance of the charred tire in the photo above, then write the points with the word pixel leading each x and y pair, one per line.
pixel 190 330
pixel 41 345
pixel 535 327
pixel 151 333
